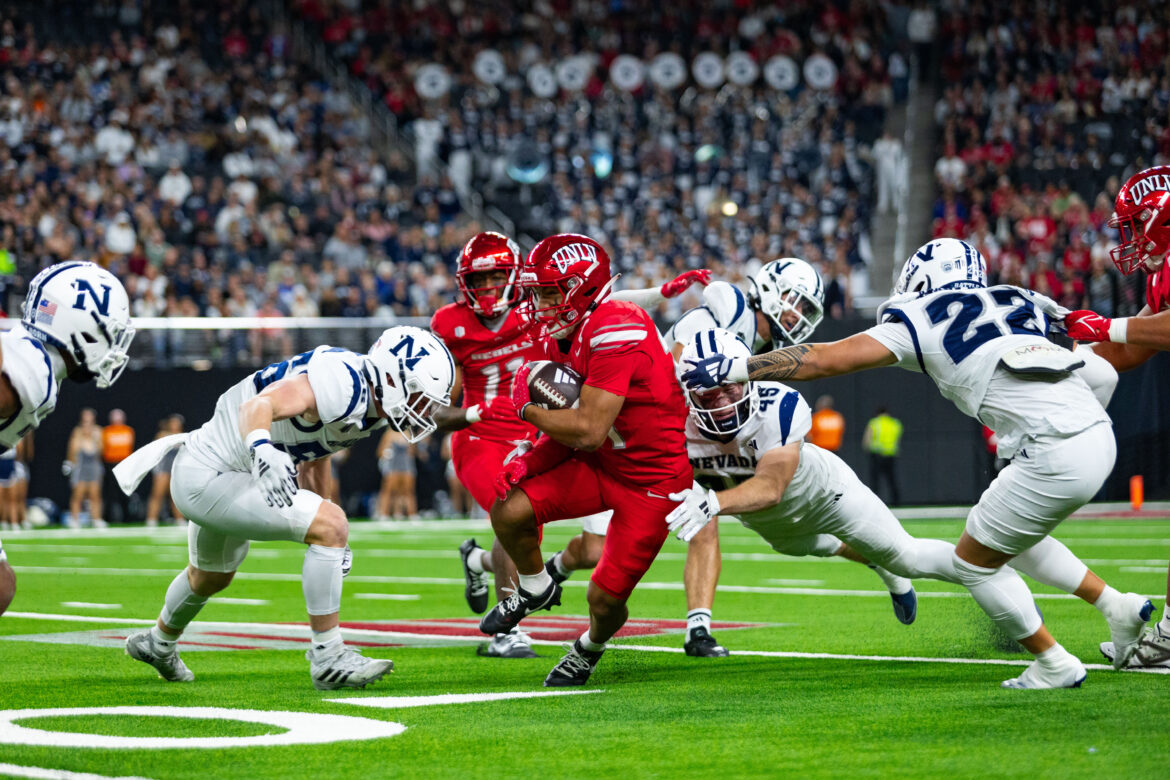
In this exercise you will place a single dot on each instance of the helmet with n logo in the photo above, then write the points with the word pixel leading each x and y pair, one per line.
pixel 791 295
pixel 1141 215
pixel 576 268
pixel 81 309
pixel 411 374
pixel 942 264
pixel 721 411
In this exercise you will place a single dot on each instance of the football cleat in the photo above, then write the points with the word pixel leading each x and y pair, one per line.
pixel 506 615
pixel 701 644
pixel 1154 648
pixel 142 647
pixel 1126 629
pixel 1069 673
pixel 514 644
pixel 346 562
pixel 905 606
pixel 574 668
pixel 476 588
pixel 344 667
pixel 553 572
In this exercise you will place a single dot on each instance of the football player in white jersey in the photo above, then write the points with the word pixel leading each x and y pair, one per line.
pixel 784 305
pixel 235 480
pixel 75 322
pixel 986 350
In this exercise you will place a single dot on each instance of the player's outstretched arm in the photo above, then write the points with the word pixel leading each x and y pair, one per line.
pixel 801 362
pixel 585 427
pixel 766 487
pixel 650 297
pixel 1126 342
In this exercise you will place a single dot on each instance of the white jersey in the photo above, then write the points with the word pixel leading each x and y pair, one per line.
pixel 35 374
pixel 958 338
pixel 724 306
pixel 344 406
pixel 783 418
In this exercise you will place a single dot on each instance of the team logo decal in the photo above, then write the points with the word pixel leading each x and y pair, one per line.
pixel 571 254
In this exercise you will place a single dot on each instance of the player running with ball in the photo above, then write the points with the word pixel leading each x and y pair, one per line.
pixel 621 447
pixel 235 480
pixel 986 349
pixel 490 342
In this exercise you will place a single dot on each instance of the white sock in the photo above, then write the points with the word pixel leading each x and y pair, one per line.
pixel 698 618
pixel 475 560
pixel 321 579
pixel 1109 602
pixel 162 638
pixel 589 644
pixel 535 584
pixel 894 583
pixel 1050 562
pixel 326 638
pixel 559 564
pixel 181 604
pixel 1052 656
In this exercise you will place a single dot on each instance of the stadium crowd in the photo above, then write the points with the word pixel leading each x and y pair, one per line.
pixel 669 178
pixel 1036 111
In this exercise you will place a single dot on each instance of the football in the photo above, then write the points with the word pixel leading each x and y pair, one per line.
pixel 554 385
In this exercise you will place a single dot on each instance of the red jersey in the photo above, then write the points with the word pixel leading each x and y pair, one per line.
pixel 488 359
pixel 618 350
pixel 1158 290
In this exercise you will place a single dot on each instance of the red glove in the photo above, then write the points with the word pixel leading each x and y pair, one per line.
pixel 520 395
pixel 1083 325
pixel 510 475
pixel 679 284
pixel 500 408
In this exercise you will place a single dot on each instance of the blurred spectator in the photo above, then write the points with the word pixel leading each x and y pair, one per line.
pixel 117 443
pixel 828 425
pixel 882 440
pixel 83 466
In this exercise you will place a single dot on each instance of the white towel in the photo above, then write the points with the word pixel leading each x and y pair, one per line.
pixel 133 469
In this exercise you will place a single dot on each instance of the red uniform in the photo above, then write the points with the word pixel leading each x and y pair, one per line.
pixel 1158 290
pixel 644 460
pixel 488 359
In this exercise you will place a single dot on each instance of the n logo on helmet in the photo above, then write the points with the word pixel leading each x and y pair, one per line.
pixel 411 358
pixel 102 302
pixel 572 254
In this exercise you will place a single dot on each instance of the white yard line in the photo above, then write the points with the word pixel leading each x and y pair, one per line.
pixel 403 702
pixel 14 770
pixel 89 605
pixel 240 602
pixel 388 596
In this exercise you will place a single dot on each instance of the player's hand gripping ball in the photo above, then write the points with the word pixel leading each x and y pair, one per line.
pixel 547 384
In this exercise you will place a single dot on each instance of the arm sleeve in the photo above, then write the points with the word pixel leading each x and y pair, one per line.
pixel 338 387
pixel 647 299
pixel 896 337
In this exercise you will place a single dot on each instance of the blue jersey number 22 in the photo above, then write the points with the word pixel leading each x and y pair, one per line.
pixel 959 343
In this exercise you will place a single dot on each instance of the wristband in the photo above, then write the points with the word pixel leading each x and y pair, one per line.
pixel 520 411
pixel 258 436
pixel 1117 329
pixel 471 414
pixel 713 503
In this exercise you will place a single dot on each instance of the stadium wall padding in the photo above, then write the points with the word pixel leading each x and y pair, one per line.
pixel 943 460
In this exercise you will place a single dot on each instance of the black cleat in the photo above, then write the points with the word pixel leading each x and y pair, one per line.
pixel 574 668
pixel 551 568
pixel 476 591
pixel 506 615
pixel 701 644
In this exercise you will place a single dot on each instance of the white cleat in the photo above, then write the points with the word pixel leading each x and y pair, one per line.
pixel 1154 648
pixel 142 647
pixel 1126 629
pixel 514 644
pixel 344 667
pixel 1068 673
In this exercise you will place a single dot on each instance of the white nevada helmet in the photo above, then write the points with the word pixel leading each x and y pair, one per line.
pixel 411 372
pixel 942 264
pixel 791 295
pixel 724 410
pixel 81 309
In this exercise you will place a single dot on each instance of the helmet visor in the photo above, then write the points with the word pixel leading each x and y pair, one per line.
pixel 1130 253
pixel 800 313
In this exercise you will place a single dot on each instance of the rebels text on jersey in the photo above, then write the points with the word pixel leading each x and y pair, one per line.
pixel 488 359
pixel 342 394
pixel 618 350
pixel 35 374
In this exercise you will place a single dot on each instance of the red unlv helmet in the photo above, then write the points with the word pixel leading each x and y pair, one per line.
pixel 489 252
pixel 1141 215
pixel 578 267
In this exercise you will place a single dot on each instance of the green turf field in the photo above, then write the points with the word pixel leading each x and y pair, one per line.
pixel 909 708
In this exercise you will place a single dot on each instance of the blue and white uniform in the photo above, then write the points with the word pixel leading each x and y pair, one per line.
pixel 824 503
pixel 724 306
pixel 1049 423
pixel 212 484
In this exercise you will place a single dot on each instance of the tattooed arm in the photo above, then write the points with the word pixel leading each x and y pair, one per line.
pixel 814 361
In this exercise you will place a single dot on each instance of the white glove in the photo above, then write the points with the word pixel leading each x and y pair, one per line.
pixel 273 470
pixel 67 467
pixel 698 505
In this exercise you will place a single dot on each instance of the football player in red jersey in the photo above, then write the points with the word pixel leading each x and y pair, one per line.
pixel 621 448
pixel 489 342
pixel 1142 217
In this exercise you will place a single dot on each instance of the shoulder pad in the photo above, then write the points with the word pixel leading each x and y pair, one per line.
pixel 30 370
pixel 339 387
pixel 731 311
pixel 616 328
